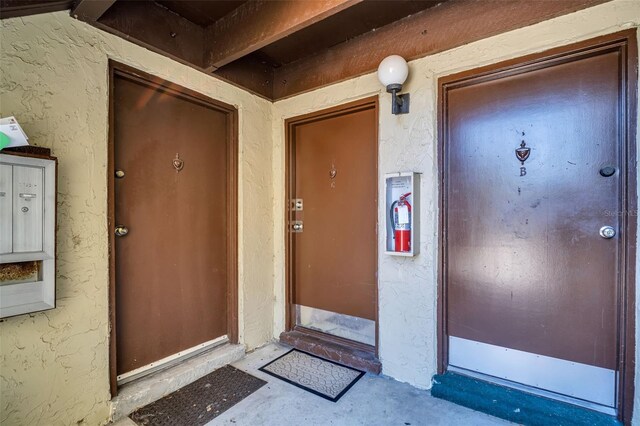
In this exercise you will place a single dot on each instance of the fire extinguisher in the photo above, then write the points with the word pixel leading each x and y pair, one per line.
pixel 401 223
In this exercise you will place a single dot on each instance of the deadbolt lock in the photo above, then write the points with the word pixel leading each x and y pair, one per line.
pixel 296 226
pixel 296 204
pixel 121 231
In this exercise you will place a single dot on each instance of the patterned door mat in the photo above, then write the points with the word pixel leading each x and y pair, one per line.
pixel 321 377
pixel 199 402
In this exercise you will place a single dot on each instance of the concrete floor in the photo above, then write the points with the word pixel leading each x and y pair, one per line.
pixel 372 401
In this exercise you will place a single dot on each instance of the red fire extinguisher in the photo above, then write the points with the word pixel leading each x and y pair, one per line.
pixel 401 223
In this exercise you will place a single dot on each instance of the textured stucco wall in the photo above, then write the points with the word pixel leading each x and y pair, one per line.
pixel 54 78
pixel 53 71
pixel 407 287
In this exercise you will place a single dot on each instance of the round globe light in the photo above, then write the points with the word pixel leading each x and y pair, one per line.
pixel 393 70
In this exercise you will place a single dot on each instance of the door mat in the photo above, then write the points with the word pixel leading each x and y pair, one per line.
pixel 512 404
pixel 321 377
pixel 199 402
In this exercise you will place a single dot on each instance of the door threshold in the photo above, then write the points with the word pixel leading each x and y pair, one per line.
pixel 514 405
pixel 351 354
pixel 170 360
pixel 534 391
pixel 152 387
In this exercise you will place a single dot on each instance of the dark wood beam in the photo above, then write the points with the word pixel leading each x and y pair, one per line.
pixel 250 74
pixel 156 28
pixel 449 25
pixel 150 25
pixel 90 10
pixel 16 8
pixel 258 23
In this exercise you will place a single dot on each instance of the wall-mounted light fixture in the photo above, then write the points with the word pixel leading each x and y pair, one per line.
pixel 392 73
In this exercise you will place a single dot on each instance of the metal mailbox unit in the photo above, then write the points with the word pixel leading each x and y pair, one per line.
pixel 27 233
pixel 402 199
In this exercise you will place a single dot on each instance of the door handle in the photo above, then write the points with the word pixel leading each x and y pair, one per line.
pixel 297 226
pixel 121 231
pixel 607 232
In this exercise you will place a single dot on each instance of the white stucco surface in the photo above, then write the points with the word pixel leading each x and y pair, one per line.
pixel 407 286
pixel 54 79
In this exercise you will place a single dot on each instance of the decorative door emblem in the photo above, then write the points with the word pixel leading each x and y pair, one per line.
pixel 333 172
pixel 522 154
pixel 178 164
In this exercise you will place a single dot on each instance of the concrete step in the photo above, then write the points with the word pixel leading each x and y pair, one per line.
pixel 332 350
pixel 512 404
pixel 148 389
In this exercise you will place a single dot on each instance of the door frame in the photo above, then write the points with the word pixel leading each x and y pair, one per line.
pixel 117 68
pixel 290 125
pixel 625 42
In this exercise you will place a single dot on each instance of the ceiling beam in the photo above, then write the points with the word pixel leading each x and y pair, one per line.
pixel 16 8
pixel 250 74
pixel 449 25
pixel 90 10
pixel 150 25
pixel 258 23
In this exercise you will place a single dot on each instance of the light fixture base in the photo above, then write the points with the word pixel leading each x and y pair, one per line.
pixel 399 103
pixel 394 88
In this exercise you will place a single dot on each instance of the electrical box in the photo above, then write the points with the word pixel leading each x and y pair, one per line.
pixel 27 232
pixel 402 200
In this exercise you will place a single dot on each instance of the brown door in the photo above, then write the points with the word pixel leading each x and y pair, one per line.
pixel 333 174
pixel 532 286
pixel 172 267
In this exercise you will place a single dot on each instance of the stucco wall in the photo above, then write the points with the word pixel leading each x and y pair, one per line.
pixel 407 287
pixel 54 78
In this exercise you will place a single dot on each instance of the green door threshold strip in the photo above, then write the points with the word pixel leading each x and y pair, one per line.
pixel 512 404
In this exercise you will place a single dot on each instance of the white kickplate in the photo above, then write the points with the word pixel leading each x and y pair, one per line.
pixel 170 360
pixel 353 328
pixel 573 379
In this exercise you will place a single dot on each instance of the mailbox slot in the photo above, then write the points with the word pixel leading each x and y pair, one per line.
pixel 28 223
pixel 6 213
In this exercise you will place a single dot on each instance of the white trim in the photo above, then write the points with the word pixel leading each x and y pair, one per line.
pixel 170 360
pixel 553 375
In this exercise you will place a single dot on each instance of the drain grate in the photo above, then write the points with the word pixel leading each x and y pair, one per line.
pixel 201 401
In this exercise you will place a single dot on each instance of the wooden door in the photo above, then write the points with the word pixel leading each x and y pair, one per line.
pixel 333 169
pixel 172 186
pixel 535 166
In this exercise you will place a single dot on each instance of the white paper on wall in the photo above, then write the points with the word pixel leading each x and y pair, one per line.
pixel 10 127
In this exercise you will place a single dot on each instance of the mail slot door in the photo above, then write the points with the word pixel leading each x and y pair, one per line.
pixel 28 184
pixel 6 221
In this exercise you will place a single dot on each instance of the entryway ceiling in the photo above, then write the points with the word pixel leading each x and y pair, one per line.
pixel 280 48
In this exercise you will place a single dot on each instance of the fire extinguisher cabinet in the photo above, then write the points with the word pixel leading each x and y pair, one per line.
pixel 402 200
